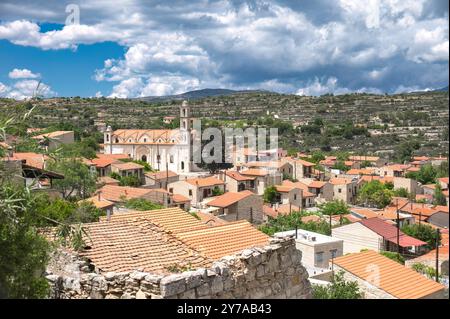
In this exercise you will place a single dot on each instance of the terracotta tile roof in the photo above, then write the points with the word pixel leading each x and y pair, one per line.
pixel 361 171
pixel 443 180
pixel 123 166
pixel 269 211
pixel 430 186
pixel 154 136
pixel 255 172
pixel 128 244
pixel 397 167
pixel 441 208
pixel 421 158
pixel 285 209
pixel 275 164
pixel 177 198
pixel 104 160
pixel 220 241
pixel 300 185
pixel 389 232
pixel 348 163
pixel 283 188
pixel 364 158
pixel 340 181
pixel 239 177
pixel 317 184
pixel 305 163
pixel 160 175
pixel 107 180
pixel 381 179
pixel 99 203
pixel 204 182
pixel 30 158
pixel 115 193
pixel 351 218
pixel 51 134
pixel 413 169
pixel 229 198
pixel 365 212
pixel 424 196
pixel 171 219
pixel 210 219
pixel 395 279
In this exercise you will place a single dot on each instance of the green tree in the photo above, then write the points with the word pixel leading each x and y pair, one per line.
pixel 402 192
pixel 131 180
pixel 422 232
pixel 217 191
pixel 394 256
pixel 438 197
pixel 78 178
pixel 338 289
pixel 374 193
pixel 23 252
pixel 270 194
pixel 426 174
pixel 336 207
pixel 142 204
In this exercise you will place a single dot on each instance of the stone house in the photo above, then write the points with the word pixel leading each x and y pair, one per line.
pixel 344 189
pixel 263 178
pixel 233 206
pixel 197 189
pixel 236 182
pixel 126 169
pixel 301 168
pixel 289 195
pixel 160 179
pixel 189 260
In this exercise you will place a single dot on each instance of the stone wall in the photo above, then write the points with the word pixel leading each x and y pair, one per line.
pixel 273 271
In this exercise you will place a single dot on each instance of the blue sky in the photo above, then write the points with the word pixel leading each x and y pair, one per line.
pixel 144 48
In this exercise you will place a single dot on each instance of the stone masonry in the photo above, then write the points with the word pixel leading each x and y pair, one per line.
pixel 273 271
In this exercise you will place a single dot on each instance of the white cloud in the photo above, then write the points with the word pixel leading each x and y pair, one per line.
pixel 23 74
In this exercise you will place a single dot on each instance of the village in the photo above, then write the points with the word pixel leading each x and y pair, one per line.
pixel 265 225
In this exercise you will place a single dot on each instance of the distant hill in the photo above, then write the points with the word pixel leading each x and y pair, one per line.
pixel 197 94
pixel 444 89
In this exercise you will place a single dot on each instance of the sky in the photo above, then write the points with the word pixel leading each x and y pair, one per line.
pixel 149 48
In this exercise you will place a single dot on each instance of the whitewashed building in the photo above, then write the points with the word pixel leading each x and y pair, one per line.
pixel 161 148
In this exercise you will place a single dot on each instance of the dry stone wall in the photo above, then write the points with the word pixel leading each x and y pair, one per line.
pixel 273 271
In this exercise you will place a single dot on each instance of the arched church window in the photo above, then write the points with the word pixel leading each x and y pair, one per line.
pixel 107 137
pixel 145 140
pixel 117 140
pixel 144 158
pixel 182 165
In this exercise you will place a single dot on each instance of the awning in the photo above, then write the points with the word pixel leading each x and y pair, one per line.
pixel 407 241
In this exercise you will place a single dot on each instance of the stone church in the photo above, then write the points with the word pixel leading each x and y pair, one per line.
pixel 162 149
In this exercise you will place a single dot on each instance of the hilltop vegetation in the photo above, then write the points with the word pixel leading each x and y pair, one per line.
pixel 390 125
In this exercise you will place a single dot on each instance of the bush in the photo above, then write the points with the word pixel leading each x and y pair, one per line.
pixel 422 232
pixel 142 204
pixel 336 207
pixel 394 256
pixel 339 289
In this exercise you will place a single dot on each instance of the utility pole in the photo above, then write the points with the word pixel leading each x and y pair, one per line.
pixel 398 228
pixel 167 175
pixel 437 255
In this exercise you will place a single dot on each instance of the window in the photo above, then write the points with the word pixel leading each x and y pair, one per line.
pixel 117 140
pixel 339 190
pixel 333 253
pixel 171 159
pixel 107 137
pixel 170 190
pixel 144 158
pixel 319 257
pixel 295 196
pixel 190 192
pixel 182 165
pixel 145 140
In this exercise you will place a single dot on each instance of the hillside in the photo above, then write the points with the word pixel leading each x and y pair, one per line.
pixel 359 123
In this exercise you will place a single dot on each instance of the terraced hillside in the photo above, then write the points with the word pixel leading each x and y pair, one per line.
pixel 359 123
